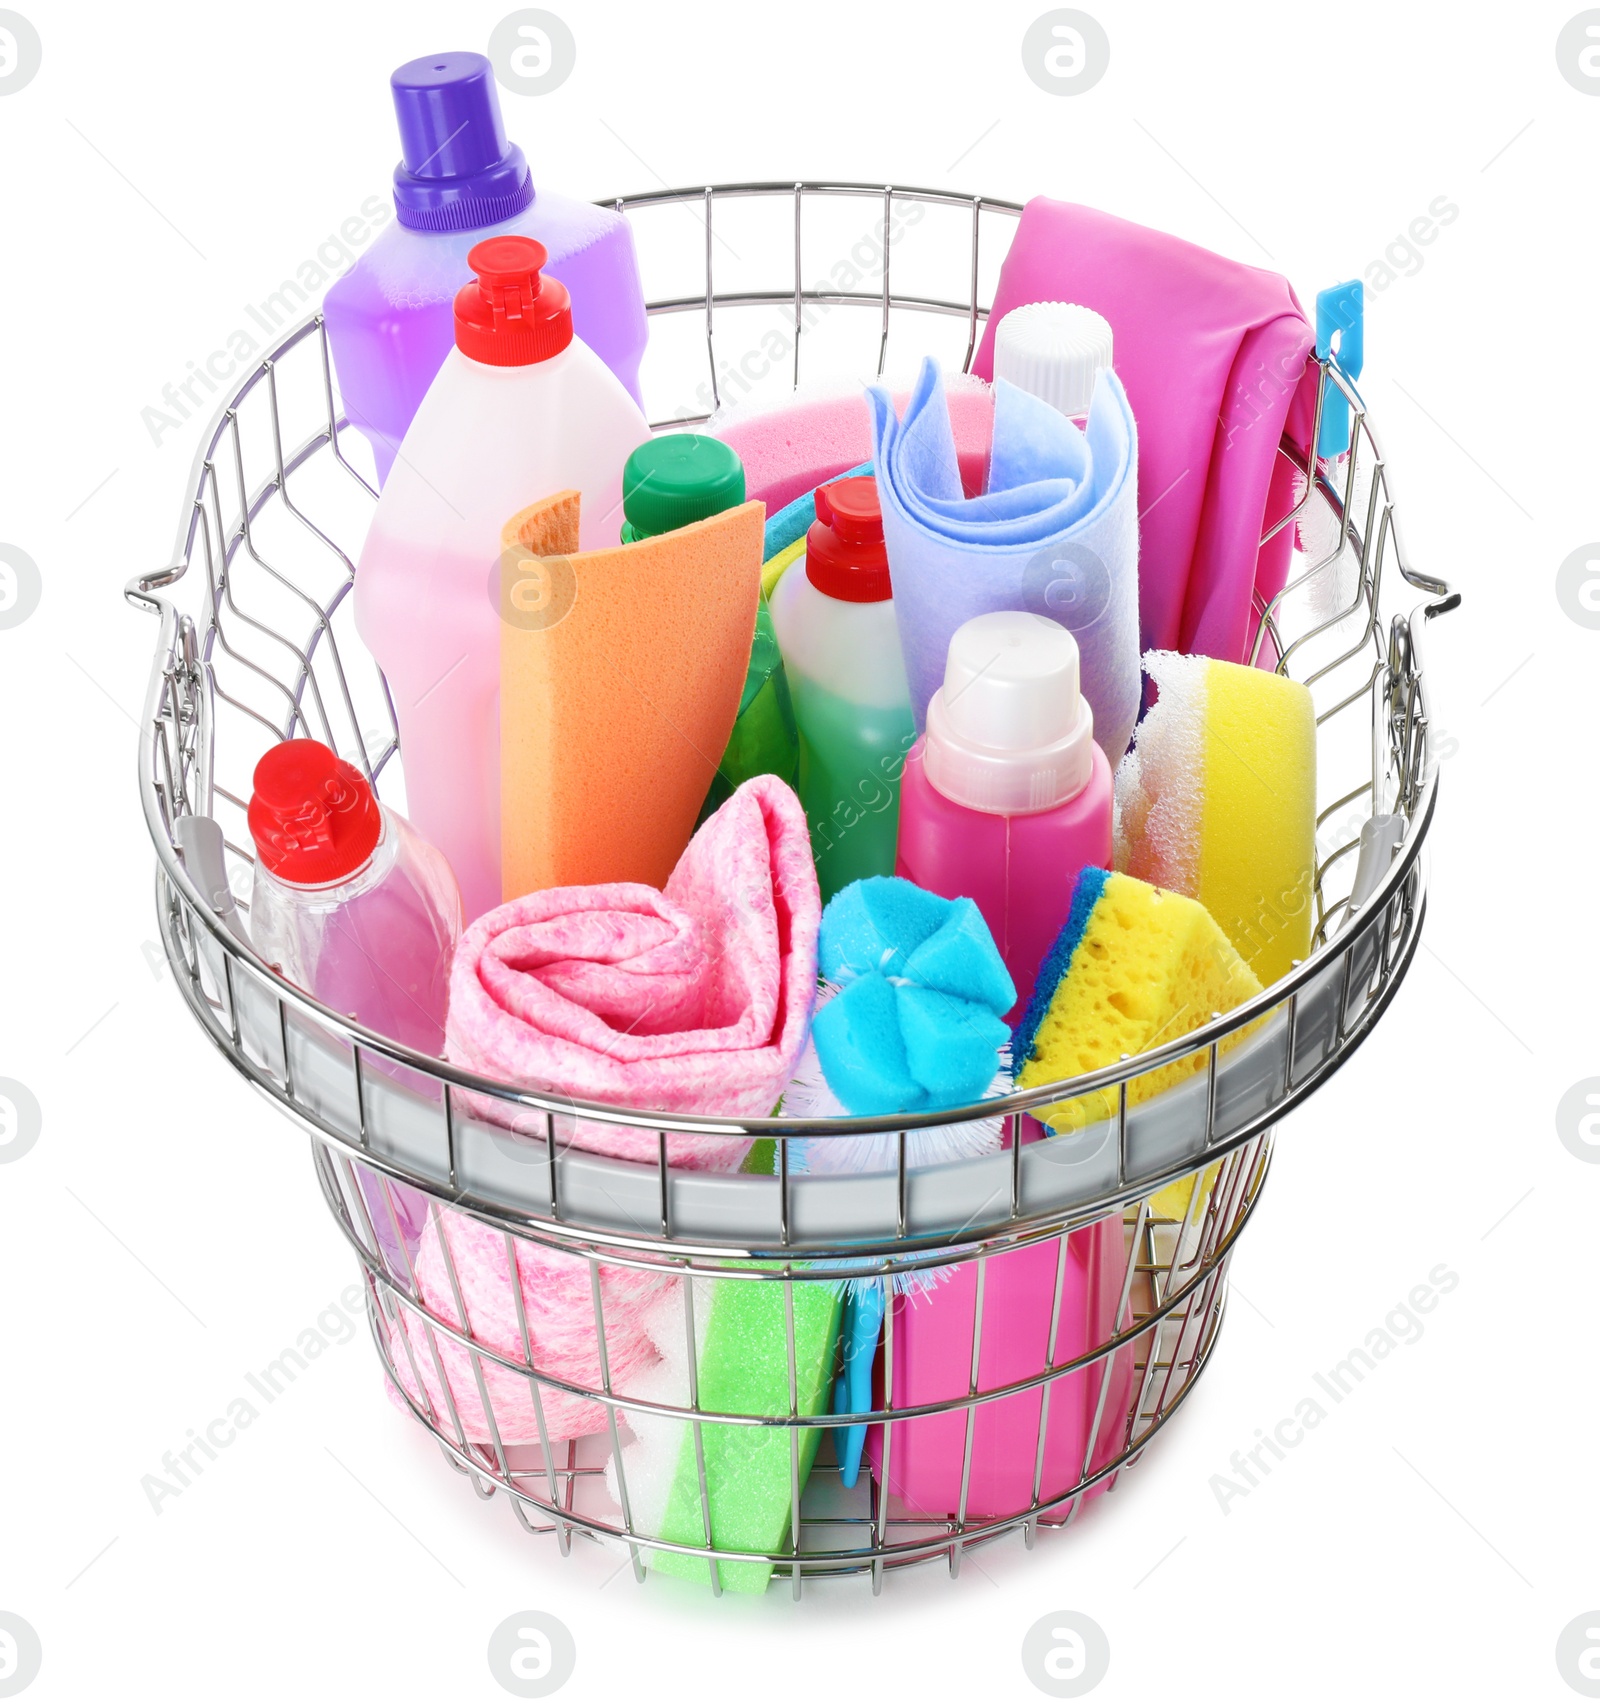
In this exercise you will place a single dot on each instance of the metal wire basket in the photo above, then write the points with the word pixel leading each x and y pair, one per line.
pixel 265 651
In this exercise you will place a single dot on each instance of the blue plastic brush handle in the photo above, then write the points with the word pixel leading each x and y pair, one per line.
pixel 852 1390
pixel 1341 309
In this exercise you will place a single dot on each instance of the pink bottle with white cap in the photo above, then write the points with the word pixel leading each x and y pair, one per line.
pixel 1006 797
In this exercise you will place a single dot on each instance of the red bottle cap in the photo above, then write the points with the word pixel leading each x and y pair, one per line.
pixel 845 554
pixel 313 817
pixel 512 315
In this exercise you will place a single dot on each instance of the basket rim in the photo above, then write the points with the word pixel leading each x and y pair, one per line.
pixel 377 1045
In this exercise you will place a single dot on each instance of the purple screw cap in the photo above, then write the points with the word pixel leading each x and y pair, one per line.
pixel 458 172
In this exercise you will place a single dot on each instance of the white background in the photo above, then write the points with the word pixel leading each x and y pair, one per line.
pixel 1429 1541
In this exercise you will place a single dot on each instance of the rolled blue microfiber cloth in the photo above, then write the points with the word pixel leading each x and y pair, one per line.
pixel 1056 533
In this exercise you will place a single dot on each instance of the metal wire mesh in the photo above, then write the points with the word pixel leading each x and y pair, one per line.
pixel 453 1188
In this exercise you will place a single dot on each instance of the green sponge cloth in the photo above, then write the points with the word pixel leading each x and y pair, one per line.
pixel 1132 968
pixel 742 1368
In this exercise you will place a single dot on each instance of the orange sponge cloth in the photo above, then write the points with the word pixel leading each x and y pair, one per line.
pixel 546 529
pixel 621 672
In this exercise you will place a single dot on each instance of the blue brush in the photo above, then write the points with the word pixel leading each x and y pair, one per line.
pixel 908 1021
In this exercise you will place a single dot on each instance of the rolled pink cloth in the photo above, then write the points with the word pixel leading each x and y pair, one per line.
pixel 690 1001
pixel 558 1305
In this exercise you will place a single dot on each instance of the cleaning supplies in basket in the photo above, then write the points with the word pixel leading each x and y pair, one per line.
pixel 1007 796
pixel 622 672
pixel 667 483
pixel 353 906
pixel 752 1472
pixel 520 407
pixel 692 999
pixel 389 318
pixel 1214 358
pixel 834 618
pixel 1217 801
pixel 1055 532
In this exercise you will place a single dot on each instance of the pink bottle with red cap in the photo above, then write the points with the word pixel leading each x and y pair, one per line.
pixel 350 904
pixel 520 409
pixel 1007 796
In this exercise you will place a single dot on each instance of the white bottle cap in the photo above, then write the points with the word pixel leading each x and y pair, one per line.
pixel 1054 350
pixel 1009 732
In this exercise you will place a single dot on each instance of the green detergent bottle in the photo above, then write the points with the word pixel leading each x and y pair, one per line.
pixel 669 482
pixel 834 615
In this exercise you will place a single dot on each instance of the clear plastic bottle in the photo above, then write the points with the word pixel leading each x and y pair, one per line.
pixel 521 409
pixel 353 906
pixel 1007 796
pixel 389 318
pixel 834 615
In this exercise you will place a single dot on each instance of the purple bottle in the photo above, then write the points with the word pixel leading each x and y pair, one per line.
pixel 389 318
pixel 353 906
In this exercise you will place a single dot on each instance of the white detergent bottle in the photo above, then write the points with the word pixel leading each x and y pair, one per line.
pixel 1055 351
pixel 520 409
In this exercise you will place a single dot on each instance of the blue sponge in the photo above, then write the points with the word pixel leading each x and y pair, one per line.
pixel 916 1024
pixel 872 925
pixel 951 1046
pixel 860 1047
pixel 960 958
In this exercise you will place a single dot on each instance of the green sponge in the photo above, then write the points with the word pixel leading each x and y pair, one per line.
pixel 742 1366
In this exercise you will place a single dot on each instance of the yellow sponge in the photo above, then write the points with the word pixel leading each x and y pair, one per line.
pixel 1133 967
pixel 1217 801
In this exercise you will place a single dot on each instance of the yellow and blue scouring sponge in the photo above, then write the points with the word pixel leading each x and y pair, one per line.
pixel 1132 968
pixel 1217 801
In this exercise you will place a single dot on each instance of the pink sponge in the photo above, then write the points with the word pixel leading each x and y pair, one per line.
pixel 558 1302
pixel 797 446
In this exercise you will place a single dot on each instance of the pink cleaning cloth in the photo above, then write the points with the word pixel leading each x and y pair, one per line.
pixel 1213 357
pixel 694 1000
pixel 558 1307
